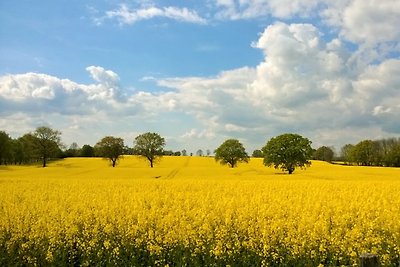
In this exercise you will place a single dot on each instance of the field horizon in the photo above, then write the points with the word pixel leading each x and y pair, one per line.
pixel 169 167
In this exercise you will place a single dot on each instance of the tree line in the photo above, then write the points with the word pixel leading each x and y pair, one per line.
pixel 286 151
pixel 382 152
pixel 44 144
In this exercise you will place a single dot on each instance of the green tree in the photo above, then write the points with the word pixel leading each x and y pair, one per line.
pixel 5 147
pixel 25 149
pixel 47 143
pixel 257 154
pixel 324 153
pixel 347 153
pixel 110 148
pixel 87 151
pixel 199 153
pixel 364 153
pixel 150 146
pixel 288 151
pixel 392 158
pixel 231 152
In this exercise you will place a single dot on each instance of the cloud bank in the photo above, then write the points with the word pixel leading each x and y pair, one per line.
pixel 307 83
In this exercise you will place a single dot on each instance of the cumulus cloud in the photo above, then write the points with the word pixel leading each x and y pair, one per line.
pixel 305 83
pixel 365 22
pixel 247 9
pixel 125 15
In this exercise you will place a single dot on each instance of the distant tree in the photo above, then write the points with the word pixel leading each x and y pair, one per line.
pixel 324 153
pixel 72 151
pixel 231 152
pixel 208 151
pixel 25 151
pixel 168 152
pixel 384 147
pixel 128 150
pixel 257 154
pixel 199 153
pixel 5 147
pixel 47 143
pixel 392 158
pixel 288 151
pixel 87 151
pixel 150 146
pixel 177 153
pixel 110 148
pixel 184 152
pixel 347 153
pixel 364 153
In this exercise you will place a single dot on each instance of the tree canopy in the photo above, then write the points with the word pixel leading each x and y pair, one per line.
pixel 46 142
pixel 324 153
pixel 110 148
pixel 288 151
pixel 231 152
pixel 150 146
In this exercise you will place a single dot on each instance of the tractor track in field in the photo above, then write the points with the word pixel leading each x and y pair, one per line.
pixel 175 171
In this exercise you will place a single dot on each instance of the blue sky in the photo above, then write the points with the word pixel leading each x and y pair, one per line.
pixel 199 72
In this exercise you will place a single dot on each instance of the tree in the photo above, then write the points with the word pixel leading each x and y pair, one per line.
pixel 257 154
pixel 231 152
pixel 5 146
pixel 87 151
pixel 110 148
pixel 288 151
pixel 184 152
pixel 324 153
pixel 47 143
pixel 393 156
pixel 73 151
pixel 199 153
pixel 150 146
pixel 347 153
pixel 364 153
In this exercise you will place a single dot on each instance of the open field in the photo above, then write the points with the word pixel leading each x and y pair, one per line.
pixel 192 211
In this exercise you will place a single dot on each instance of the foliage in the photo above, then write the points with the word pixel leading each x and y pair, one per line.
pixel 46 143
pixel 110 148
pixel 392 158
pixel 257 154
pixel 87 151
pixel 346 153
pixel 199 153
pixel 287 151
pixel 83 213
pixel 324 153
pixel 150 146
pixel 231 152
pixel 364 152
pixel 5 144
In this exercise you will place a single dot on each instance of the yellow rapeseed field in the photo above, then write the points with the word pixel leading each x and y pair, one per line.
pixel 192 211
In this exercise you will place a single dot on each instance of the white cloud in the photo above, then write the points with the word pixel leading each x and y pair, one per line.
pixel 365 22
pixel 101 75
pixel 125 15
pixel 32 85
pixel 248 9
pixel 305 83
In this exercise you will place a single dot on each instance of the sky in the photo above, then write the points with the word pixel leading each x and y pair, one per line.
pixel 200 72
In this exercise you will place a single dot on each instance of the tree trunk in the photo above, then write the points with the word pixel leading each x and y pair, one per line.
pixel 44 162
pixel 113 163
pixel 151 163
